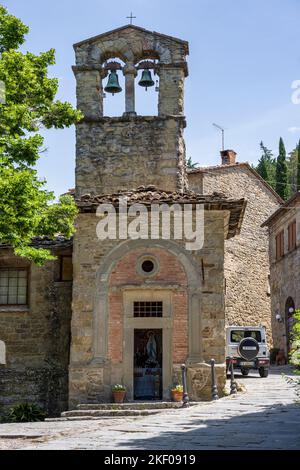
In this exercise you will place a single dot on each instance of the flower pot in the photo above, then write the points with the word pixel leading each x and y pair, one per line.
pixel 176 396
pixel 119 396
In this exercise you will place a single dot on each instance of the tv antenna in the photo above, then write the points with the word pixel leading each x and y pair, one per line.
pixel 223 134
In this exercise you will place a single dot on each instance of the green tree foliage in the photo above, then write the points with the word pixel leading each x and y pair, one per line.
pixel 292 171
pixel 295 353
pixel 190 165
pixel 25 205
pixel 267 165
pixel 282 172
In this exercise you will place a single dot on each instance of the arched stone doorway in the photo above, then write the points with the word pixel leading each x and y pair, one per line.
pixel 289 322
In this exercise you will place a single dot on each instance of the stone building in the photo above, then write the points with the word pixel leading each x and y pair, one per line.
pixel 118 303
pixel 140 307
pixel 35 314
pixel 284 233
pixel 247 268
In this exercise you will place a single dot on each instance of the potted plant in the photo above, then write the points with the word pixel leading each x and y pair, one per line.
pixel 177 393
pixel 119 392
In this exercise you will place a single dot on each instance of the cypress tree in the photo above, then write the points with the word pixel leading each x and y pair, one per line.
pixel 263 170
pixel 281 172
pixel 266 166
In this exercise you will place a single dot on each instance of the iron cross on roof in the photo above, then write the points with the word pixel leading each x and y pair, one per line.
pixel 131 17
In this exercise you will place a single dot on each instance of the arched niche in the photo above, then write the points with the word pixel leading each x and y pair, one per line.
pixel 113 105
pixel 147 99
pixel 101 307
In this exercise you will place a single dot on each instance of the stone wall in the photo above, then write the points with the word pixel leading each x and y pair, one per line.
pixel 285 275
pixel 127 152
pixel 246 256
pixel 101 308
pixel 37 339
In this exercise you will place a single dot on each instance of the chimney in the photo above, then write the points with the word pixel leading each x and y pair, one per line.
pixel 228 157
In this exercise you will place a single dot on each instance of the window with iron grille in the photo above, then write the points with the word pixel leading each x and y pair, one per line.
pixel 13 286
pixel 148 309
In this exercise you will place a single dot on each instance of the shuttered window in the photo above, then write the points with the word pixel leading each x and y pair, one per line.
pixel 280 245
pixel 292 236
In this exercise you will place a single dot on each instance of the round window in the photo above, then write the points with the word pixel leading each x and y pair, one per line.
pixel 148 266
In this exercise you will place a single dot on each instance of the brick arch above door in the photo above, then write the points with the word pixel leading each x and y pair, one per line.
pixel 188 267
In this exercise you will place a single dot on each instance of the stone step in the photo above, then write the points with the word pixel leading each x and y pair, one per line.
pixel 89 414
pixel 133 406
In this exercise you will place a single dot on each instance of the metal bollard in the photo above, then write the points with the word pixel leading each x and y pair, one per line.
pixel 233 389
pixel 214 388
pixel 185 398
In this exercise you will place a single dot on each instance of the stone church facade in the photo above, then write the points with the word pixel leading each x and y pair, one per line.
pixel 131 311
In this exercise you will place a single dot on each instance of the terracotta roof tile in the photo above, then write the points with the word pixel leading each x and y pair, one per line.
pixel 151 195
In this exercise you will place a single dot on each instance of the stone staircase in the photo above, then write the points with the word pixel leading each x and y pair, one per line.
pixel 117 410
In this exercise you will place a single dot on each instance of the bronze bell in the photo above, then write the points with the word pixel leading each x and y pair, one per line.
pixel 113 83
pixel 146 80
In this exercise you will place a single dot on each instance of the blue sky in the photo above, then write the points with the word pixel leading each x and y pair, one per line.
pixel 244 56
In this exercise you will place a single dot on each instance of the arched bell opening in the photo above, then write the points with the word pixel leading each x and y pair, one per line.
pixel 113 84
pixel 147 87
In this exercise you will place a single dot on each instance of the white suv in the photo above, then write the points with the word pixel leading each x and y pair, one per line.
pixel 247 347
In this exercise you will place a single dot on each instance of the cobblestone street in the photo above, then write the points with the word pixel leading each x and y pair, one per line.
pixel 265 417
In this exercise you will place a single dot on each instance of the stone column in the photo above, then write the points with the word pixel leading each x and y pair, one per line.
pixel 89 91
pixel 171 90
pixel 130 73
pixel 195 336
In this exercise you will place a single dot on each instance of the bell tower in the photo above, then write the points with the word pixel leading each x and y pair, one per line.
pixel 127 151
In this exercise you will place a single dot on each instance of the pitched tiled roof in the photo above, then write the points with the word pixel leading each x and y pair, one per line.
pixel 246 165
pixel 150 195
pixel 289 204
pixel 45 242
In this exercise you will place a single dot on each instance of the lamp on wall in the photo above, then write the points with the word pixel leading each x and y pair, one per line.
pixel 279 318
pixel 291 310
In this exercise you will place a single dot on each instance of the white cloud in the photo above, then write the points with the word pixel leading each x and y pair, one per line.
pixel 294 129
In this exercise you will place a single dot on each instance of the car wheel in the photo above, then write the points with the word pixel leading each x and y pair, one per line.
pixel 245 371
pixel 263 372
